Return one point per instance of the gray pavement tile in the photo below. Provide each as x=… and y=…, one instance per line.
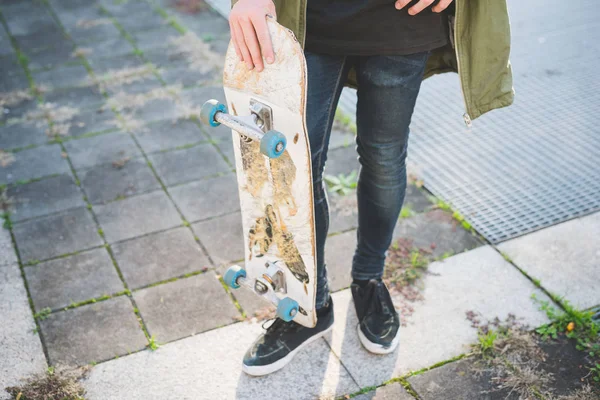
x=157, y=110
x=222, y=237
x=86, y=31
x=92, y=121
x=144, y=20
x=66, y=76
x=108, y=49
x=168, y=135
x=163, y=58
x=136, y=216
x=102, y=66
x=479, y=280
x=252, y=304
x=207, y=22
x=56, y=235
x=92, y=333
x=340, y=138
x=108, y=182
x=339, y=251
x=21, y=353
x=44, y=197
x=343, y=212
x=416, y=199
x=23, y=18
x=187, y=369
x=13, y=75
x=459, y=380
x=148, y=83
x=207, y=198
x=186, y=165
x=226, y=147
x=51, y=57
x=101, y=149
x=564, y=257
x=342, y=160
x=200, y=95
x=185, y=307
x=11, y=113
x=21, y=135
x=7, y=251
x=157, y=38
x=158, y=257
x=64, y=281
x=437, y=228
x=35, y=163
x=128, y=8
x=183, y=74
x=6, y=48
x=41, y=37
x=79, y=98
x=392, y=391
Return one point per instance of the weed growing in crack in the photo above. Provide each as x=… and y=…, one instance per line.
x=43, y=313
x=342, y=184
x=152, y=343
x=53, y=384
x=57, y=118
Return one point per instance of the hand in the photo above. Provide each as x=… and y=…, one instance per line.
x=249, y=32
x=423, y=4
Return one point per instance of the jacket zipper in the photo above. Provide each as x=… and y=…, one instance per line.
x=466, y=116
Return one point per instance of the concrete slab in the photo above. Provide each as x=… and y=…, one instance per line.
x=34, y=163
x=223, y=238
x=101, y=149
x=62, y=77
x=168, y=134
x=80, y=98
x=60, y=282
x=339, y=252
x=7, y=251
x=93, y=333
x=135, y=216
x=185, y=307
x=479, y=280
x=21, y=135
x=564, y=257
x=208, y=366
x=197, y=203
x=393, y=391
x=55, y=235
x=21, y=353
x=179, y=166
x=158, y=257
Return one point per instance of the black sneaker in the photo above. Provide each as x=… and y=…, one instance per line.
x=282, y=340
x=378, y=321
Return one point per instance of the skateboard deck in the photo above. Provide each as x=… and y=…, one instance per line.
x=276, y=194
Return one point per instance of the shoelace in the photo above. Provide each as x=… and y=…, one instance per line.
x=277, y=327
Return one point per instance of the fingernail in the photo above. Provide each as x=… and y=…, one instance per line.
x=249, y=67
x=270, y=60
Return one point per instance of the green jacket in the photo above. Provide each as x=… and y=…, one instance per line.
x=479, y=51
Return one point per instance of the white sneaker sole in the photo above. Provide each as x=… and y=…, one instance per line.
x=377, y=348
x=260, y=370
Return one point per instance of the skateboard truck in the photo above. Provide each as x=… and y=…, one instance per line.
x=256, y=126
x=270, y=282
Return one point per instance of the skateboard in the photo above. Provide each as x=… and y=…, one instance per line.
x=266, y=112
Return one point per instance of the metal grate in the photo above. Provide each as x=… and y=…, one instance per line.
x=536, y=163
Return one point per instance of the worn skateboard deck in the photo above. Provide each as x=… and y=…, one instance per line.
x=276, y=194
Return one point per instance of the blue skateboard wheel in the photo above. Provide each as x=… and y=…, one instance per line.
x=232, y=275
x=273, y=144
x=287, y=309
x=209, y=110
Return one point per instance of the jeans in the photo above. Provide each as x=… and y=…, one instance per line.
x=388, y=89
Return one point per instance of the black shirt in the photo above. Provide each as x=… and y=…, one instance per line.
x=372, y=27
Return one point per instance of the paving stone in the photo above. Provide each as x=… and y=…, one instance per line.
x=107, y=48
x=63, y=281
x=186, y=165
x=392, y=391
x=222, y=237
x=21, y=135
x=163, y=58
x=57, y=234
x=252, y=304
x=108, y=182
x=50, y=57
x=140, y=9
x=92, y=333
x=11, y=113
x=439, y=228
x=479, y=280
x=13, y=75
x=34, y=163
x=343, y=160
x=101, y=149
x=79, y=98
x=199, y=95
x=144, y=86
x=63, y=77
x=416, y=199
x=6, y=48
x=158, y=257
x=183, y=74
x=564, y=257
x=206, y=23
x=159, y=38
x=21, y=353
x=207, y=198
x=168, y=135
x=226, y=147
x=458, y=380
x=341, y=138
x=343, y=212
x=84, y=35
x=44, y=197
x=187, y=369
x=136, y=216
x=339, y=252
x=7, y=251
x=104, y=65
x=185, y=307
x=92, y=121
x=143, y=21
x=157, y=110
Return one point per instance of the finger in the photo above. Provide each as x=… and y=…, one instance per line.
x=420, y=6
x=234, y=41
x=400, y=4
x=252, y=42
x=441, y=6
x=239, y=34
x=264, y=38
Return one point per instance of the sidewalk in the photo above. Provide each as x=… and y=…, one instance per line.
x=122, y=212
